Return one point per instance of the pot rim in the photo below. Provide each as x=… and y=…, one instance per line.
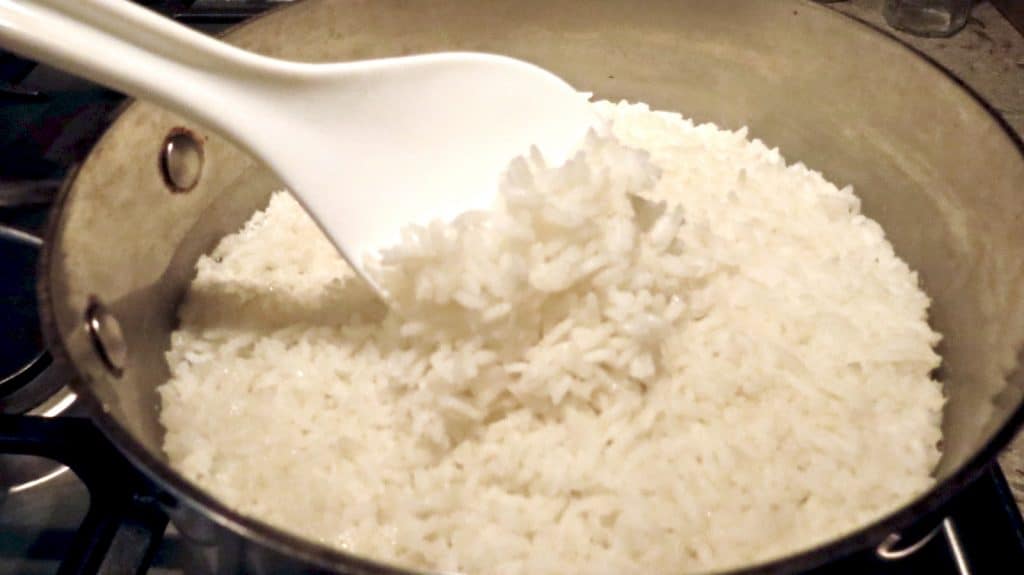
x=925, y=507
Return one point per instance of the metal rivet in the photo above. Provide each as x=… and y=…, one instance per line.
x=181, y=160
x=107, y=337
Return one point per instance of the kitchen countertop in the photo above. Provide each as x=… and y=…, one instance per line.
x=988, y=55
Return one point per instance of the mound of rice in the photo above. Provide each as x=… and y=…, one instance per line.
x=674, y=353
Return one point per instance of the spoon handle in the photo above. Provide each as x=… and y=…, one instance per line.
x=136, y=51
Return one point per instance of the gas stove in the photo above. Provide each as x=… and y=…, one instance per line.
x=48, y=122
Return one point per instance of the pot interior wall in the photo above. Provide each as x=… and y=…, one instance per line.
x=939, y=174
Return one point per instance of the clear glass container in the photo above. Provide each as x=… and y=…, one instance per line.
x=936, y=18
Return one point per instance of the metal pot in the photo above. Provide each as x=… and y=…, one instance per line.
x=929, y=161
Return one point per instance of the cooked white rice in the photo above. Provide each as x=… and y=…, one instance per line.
x=733, y=367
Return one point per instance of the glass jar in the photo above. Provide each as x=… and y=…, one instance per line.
x=936, y=18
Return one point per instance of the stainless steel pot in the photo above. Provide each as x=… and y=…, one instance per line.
x=931, y=164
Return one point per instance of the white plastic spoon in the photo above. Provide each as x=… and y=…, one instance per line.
x=367, y=147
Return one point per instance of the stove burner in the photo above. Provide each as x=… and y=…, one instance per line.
x=29, y=382
x=23, y=356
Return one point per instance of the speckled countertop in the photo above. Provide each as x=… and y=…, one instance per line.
x=988, y=55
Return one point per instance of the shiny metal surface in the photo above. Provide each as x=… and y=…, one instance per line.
x=894, y=548
x=106, y=337
x=959, y=557
x=940, y=174
x=20, y=474
x=181, y=162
